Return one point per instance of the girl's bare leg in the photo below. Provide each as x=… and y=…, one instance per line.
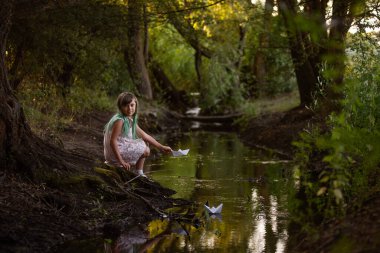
x=140, y=162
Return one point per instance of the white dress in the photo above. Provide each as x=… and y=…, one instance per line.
x=130, y=149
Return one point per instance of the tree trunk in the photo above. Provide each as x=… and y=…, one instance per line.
x=20, y=149
x=336, y=53
x=315, y=11
x=146, y=36
x=198, y=66
x=175, y=99
x=134, y=53
x=259, y=63
x=14, y=132
x=5, y=89
x=66, y=79
x=15, y=78
x=307, y=78
x=185, y=28
x=241, y=46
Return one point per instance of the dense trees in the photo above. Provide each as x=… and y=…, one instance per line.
x=226, y=50
x=67, y=57
x=317, y=43
x=19, y=147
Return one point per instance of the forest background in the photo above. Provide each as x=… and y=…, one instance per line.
x=63, y=59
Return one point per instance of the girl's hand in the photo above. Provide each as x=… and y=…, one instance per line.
x=126, y=165
x=166, y=149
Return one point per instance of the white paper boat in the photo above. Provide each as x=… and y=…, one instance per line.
x=180, y=152
x=214, y=210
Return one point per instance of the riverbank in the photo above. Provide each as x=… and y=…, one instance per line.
x=94, y=201
x=276, y=131
x=358, y=230
x=39, y=216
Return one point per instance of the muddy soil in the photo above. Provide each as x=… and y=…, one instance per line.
x=38, y=217
x=277, y=131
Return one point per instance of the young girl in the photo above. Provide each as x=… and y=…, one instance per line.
x=122, y=148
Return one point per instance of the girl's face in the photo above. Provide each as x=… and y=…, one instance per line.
x=129, y=109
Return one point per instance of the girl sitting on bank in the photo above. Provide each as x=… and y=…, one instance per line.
x=124, y=141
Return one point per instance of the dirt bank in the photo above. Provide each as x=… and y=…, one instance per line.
x=36, y=217
x=277, y=131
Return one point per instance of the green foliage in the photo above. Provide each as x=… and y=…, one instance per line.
x=79, y=36
x=76, y=42
x=72, y=60
x=249, y=111
x=280, y=76
x=340, y=167
x=220, y=88
x=103, y=67
x=45, y=107
x=221, y=91
x=174, y=56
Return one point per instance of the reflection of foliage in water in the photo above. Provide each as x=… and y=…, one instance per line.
x=219, y=169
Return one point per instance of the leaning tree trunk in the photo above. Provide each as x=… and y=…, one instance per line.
x=175, y=99
x=134, y=53
x=306, y=76
x=20, y=150
x=185, y=28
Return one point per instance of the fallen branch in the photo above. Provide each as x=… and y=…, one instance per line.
x=219, y=118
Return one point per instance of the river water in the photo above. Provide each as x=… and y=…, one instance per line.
x=251, y=184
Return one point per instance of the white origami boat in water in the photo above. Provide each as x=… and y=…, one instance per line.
x=214, y=210
x=180, y=152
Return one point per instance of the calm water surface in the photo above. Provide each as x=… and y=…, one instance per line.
x=220, y=169
x=250, y=183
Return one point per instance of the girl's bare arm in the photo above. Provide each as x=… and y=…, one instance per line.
x=146, y=137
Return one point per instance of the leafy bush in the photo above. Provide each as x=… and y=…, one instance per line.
x=346, y=167
x=221, y=91
x=45, y=106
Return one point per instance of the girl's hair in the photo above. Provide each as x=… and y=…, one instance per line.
x=124, y=99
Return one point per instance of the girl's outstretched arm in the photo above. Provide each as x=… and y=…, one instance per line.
x=146, y=137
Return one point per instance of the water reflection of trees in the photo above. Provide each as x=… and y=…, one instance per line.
x=253, y=193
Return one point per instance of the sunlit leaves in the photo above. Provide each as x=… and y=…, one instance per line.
x=174, y=55
x=321, y=191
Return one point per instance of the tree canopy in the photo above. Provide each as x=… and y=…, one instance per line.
x=219, y=54
x=62, y=59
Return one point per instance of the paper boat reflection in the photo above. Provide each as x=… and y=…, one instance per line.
x=214, y=210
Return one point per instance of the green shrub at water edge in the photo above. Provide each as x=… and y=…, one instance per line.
x=340, y=168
